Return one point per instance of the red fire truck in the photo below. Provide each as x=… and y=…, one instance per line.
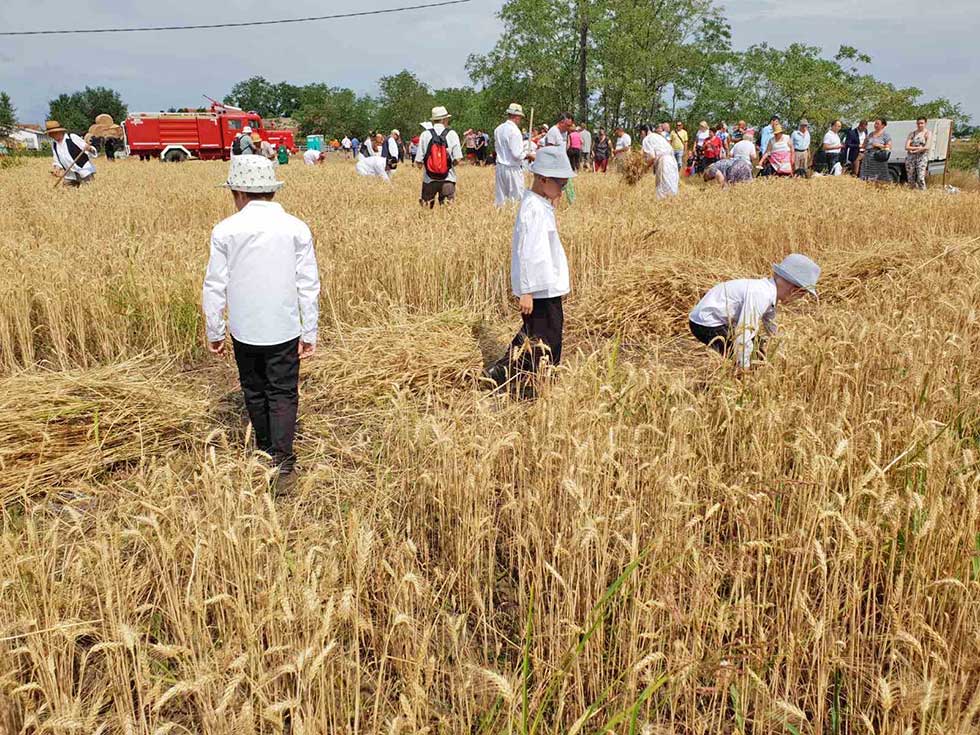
x=177, y=136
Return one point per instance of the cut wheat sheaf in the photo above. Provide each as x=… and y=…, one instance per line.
x=653, y=545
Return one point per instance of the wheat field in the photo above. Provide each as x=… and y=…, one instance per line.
x=655, y=545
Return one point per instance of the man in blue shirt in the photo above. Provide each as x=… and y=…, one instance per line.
x=767, y=134
x=801, y=147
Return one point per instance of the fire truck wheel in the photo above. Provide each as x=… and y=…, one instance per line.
x=175, y=156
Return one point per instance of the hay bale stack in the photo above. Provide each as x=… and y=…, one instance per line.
x=426, y=356
x=60, y=427
x=633, y=167
x=644, y=301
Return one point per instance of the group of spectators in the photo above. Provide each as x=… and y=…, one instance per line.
x=859, y=151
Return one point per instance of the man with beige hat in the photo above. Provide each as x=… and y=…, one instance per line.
x=263, y=270
x=438, y=152
x=72, y=155
x=509, y=146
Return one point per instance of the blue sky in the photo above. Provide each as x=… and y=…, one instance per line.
x=909, y=45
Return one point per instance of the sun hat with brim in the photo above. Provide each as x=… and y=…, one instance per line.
x=252, y=175
x=552, y=161
x=440, y=112
x=53, y=126
x=800, y=271
x=515, y=109
x=804, y=122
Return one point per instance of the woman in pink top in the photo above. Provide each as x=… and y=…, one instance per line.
x=575, y=148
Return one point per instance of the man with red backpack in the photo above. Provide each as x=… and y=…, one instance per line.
x=438, y=151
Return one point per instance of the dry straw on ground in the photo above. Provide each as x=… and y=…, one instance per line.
x=654, y=545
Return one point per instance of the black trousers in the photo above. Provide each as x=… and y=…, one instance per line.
x=832, y=160
x=269, y=375
x=575, y=158
x=540, y=335
x=715, y=337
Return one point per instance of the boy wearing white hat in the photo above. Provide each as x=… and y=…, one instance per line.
x=538, y=270
x=511, y=153
x=439, y=151
x=263, y=270
x=732, y=314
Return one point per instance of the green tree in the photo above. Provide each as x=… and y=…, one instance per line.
x=334, y=111
x=77, y=111
x=255, y=93
x=403, y=102
x=8, y=115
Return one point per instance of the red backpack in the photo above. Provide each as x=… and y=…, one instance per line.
x=436, y=159
x=711, y=147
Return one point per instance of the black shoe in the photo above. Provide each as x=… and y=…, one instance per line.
x=496, y=374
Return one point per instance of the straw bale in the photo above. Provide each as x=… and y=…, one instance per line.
x=633, y=167
x=58, y=427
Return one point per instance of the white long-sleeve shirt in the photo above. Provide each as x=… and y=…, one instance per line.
x=264, y=270
x=744, y=306
x=538, y=265
x=623, y=143
x=655, y=145
x=373, y=166
x=455, y=149
x=509, y=144
x=63, y=157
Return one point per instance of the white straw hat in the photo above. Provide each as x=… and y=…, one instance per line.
x=252, y=175
x=440, y=112
x=800, y=271
x=552, y=161
x=395, y=131
x=247, y=129
x=515, y=109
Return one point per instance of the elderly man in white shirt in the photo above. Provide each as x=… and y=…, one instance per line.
x=659, y=155
x=731, y=316
x=263, y=270
x=538, y=272
x=511, y=154
x=437, y=182
x=72, y=155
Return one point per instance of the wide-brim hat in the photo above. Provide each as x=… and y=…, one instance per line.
x=552, y=161
x=439, y=113
x=53, y=126
x=805, y=122
x=515, y=109
x=252, y=175
x=800, y=271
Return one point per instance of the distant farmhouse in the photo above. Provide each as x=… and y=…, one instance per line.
x=30, y=136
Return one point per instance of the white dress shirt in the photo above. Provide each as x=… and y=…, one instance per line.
x=831, y=142
x=509, y=144
x=63, y=158
x=392, y=148
x=264, y=270
x=373, y=166
x=452, y=141
x=586, y=142
x=655, y=145
x=556, y=137
x=538, y=265
x=623, y=143
x=744, y=306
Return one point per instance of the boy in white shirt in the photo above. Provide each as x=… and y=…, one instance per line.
x=538, y=271
x=732, y=314
x=263, y=270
